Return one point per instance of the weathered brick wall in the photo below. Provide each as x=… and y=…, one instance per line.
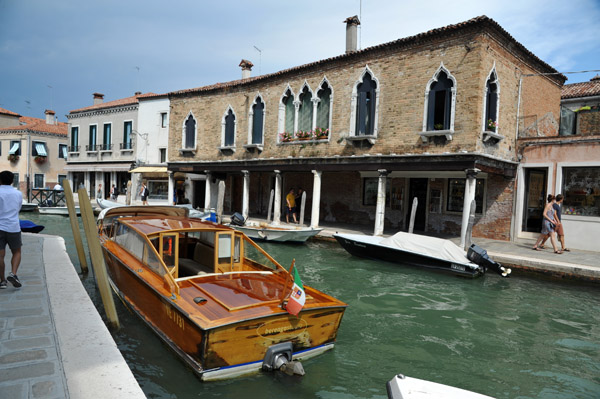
x=496, y=222
x=588, y=121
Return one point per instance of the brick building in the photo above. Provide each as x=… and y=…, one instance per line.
x=431, y=116
x=567, y=162
x=34, y=149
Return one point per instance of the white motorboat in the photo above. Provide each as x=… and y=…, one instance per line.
x=57, y=210
x=105, y=204
x=402, y=387
x=280, y=233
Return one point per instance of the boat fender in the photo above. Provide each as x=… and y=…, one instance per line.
x=279, y=357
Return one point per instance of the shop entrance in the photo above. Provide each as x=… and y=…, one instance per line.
x=535, y=199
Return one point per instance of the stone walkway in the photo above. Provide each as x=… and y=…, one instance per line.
x=53, y=343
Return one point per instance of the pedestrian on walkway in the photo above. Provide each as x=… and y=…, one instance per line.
x=10, y=229
x=144, y=192
x=560, y=232
x=290, y=209
x=549, y=223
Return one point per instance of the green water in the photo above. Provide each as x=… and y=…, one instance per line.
x=508, y=338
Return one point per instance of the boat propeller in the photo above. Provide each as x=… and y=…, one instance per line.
x=279, y=357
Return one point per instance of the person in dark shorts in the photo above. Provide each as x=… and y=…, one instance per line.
x=10, y=229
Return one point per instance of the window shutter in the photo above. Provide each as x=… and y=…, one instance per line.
x=447, y=108
x=289, y=115
x=305, y=114
x=361, y=111
x=371, y=120
x=431, y=110
x=323, y=110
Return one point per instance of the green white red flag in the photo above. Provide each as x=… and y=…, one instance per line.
x=297, y=297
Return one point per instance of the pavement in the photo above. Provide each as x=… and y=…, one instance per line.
x=53, y=342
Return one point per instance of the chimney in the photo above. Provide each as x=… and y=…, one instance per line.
x=98, y=98
x=246, y=68
x=595, y=78
x=50, y=117
x=351, y=28
x=138, y=93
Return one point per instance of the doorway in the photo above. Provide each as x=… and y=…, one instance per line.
x=417, y=188
x=107, y=185
x=536, y=181
x=199, y=187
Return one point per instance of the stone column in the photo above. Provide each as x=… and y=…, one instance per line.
x=315, y=102
x=277, y=204
x=171, y=194
x=245, y=193
x=316, y=199
x=469, y=196
x=296, y=109
x=207, y=191
x=380, y=210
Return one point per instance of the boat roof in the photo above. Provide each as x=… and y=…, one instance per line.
x=121, y=211
x=149, y=225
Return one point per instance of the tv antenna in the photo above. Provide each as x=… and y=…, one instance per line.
x=138, y=78
x=51, y=106
x=259, y=59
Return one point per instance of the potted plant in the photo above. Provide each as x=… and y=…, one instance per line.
x=492, y=125
x=286, y=137
x=438, y=126
x=39, y=159
x=13, y=157
x=303, y=135
x=321, y=133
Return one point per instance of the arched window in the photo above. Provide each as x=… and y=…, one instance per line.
x=305, y=110
x=440, y=98
x=491, y=103
x=324, y=106
x=229, y=127
x=189, y=140
x=289, y=111
x=257, y=115
x=365, y=106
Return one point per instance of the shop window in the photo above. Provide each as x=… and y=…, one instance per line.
x=456, y=195
x=581, y=188
x=370, y=186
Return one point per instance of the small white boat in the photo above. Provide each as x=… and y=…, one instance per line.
x=57, y=210
x=402, y=387
x=105, y=204
x=280, y=233
x=28, y=206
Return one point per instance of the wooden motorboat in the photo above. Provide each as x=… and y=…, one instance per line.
x=28, y=226
x=211, y=293
x=282, y=232
x=402, y=387
x=418, y=250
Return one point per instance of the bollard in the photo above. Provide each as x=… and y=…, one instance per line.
x=75, y=226
x=91, y=233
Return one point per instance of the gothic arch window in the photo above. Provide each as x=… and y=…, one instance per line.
x=287, y=112
x=305, y=109
x=189, y=132
x=492, y=91
x=365, y=105
x=256, y=120
x=325, y=102
x=228, y=128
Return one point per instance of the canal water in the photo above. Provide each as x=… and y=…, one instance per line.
x=509, y=338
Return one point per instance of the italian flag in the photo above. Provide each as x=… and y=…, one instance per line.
x=297, y=297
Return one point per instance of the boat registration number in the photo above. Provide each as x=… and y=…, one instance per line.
x=175, y=317
x=454, y=266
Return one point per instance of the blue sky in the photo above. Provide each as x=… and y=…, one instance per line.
x=55, y=54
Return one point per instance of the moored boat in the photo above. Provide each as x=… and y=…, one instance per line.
x=57, y=210
x=211, y=293
x=418, y=250
x=281, y=233
x=28, y=206
x=28, y=226
x=402, y=387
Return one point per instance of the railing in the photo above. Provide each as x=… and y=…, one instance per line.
x=90, y=148
x=73, y=148
x=126, y=146
x=45, y=197
x=105, y=147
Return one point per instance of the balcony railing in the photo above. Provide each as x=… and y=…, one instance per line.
x=105, y=147
x=73, y=148
x=126, y=146
x=91, y=148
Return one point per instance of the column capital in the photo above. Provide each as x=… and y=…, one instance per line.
x=316, y=172
x=277, y=172
x=382, y=172
x=472, y=172
x=245, y=172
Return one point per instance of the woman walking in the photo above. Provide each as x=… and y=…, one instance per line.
x=549, y=223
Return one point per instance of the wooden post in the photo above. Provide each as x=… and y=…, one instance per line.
x=75, y=226
x=128, y=196
x=91, y=232
x=413, y=212
x=270, y=205
x=302, y=205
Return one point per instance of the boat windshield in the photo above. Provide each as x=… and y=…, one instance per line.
x=133, y=243
x=255, y=255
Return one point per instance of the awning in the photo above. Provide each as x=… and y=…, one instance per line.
x=41, y=149
x=149, y=169
x=74, y=167
x=14, y=148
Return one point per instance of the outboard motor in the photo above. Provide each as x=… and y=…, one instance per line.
x=478, y=255
x=237, y=219
x=279, y=357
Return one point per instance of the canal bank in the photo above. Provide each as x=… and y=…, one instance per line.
x=53, y=342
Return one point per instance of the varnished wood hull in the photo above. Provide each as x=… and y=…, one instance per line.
x=232, y=348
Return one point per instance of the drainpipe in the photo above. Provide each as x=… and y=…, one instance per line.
x=518, y=109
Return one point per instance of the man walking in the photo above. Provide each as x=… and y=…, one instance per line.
x=10, y=229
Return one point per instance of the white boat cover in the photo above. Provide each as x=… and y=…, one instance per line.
x=401, y=387
x=428, y=246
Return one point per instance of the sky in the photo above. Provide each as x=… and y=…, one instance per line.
x=56, y=54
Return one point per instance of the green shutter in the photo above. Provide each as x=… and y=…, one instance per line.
x=289, y=115
x=323, y=110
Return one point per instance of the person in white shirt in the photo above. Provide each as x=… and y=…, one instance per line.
x=10, y=229
x=57, y=187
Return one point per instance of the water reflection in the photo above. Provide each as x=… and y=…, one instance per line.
x=507, y=338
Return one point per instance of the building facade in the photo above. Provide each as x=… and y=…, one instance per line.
x=432, y=117
x=34, y=149
x=567, y=162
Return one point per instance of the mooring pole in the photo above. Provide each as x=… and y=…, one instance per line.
x=413, y=213
x=91, y=233
x=75, y=226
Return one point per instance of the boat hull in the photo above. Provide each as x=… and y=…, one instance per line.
x=57, y=210
x=279, y=234
x=227, y=350
x=369, y=250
